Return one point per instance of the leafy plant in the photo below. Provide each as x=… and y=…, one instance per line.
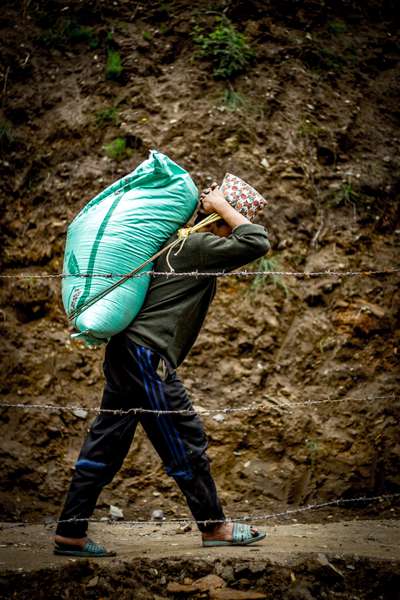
x=147, y=36
x=117, y=149
x=107, y=116
x=225, y=47
x=114, y=66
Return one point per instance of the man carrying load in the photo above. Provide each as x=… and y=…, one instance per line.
x=139, y=368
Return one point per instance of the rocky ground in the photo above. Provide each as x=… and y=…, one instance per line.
x=312, y=123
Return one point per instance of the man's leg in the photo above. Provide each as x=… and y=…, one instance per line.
x=105, y=447
x=179, y=440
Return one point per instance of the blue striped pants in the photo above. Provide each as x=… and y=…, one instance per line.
x=132, y=381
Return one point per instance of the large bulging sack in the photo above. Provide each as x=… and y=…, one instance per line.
x=116, y=232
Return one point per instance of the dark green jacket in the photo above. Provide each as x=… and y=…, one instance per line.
x=176, y=306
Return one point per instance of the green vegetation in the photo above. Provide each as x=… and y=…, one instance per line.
x=320, y=58
x=268, y=265
x=66, y=31
x=114, y=66
x=226, y=48
x=77, y=33
x=6, y=134
x=310, y=130
x=313, y=448
x=107, y=116
x=337, y=27
x=346, y=195
x=234, y=100
x=117, y=149
x=147, y=36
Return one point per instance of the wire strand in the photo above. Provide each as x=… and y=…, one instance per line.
x=305, y=274
x=248, y=517
x=203, y=412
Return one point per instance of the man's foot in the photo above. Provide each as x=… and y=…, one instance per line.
x=82, y=547
x=232, y=534
x=221, y=532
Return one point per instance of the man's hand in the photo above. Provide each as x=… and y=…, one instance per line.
x=212, y=199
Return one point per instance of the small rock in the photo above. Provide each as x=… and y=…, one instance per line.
x=231, y=594
x=184, y=528
x=80, y=413
x=179, y=588
x=264, y=163
x=323, y=560
x=219, y=418
x=116, y=513
x=209, y=583
x=157, y=515
x=93, y=582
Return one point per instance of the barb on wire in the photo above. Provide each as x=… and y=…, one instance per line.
x=248, y=517
x=287, y=405
x=299, y=274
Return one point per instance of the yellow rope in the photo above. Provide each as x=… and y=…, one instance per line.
x=184, y=233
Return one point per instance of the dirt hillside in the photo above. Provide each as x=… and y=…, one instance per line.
x=312, y=123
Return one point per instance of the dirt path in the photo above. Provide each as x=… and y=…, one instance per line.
x=295, y=553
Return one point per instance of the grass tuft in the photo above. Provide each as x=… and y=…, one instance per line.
x=114, y=66
x=117, y=149
x=107, y=116
x=268, y=265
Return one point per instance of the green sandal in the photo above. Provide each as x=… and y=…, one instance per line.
x=241, y=536
x=89, y=550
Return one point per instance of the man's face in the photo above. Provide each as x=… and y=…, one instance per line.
x=219, y=229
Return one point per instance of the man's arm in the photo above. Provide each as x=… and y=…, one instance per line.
x=246, y=242
x=214, y=201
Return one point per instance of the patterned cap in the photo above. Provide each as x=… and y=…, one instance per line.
x=242, y=196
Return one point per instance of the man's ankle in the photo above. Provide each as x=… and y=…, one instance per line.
x=72, y=541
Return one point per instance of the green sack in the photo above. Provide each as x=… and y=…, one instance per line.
x=116, y=232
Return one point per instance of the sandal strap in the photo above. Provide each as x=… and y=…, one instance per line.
x=241, y=532
x=93, y=547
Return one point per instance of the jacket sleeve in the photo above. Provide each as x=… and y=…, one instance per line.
x=213, y=253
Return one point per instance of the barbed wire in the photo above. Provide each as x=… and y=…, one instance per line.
x=305, y=274
x=192, y=411
x=185, y=520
